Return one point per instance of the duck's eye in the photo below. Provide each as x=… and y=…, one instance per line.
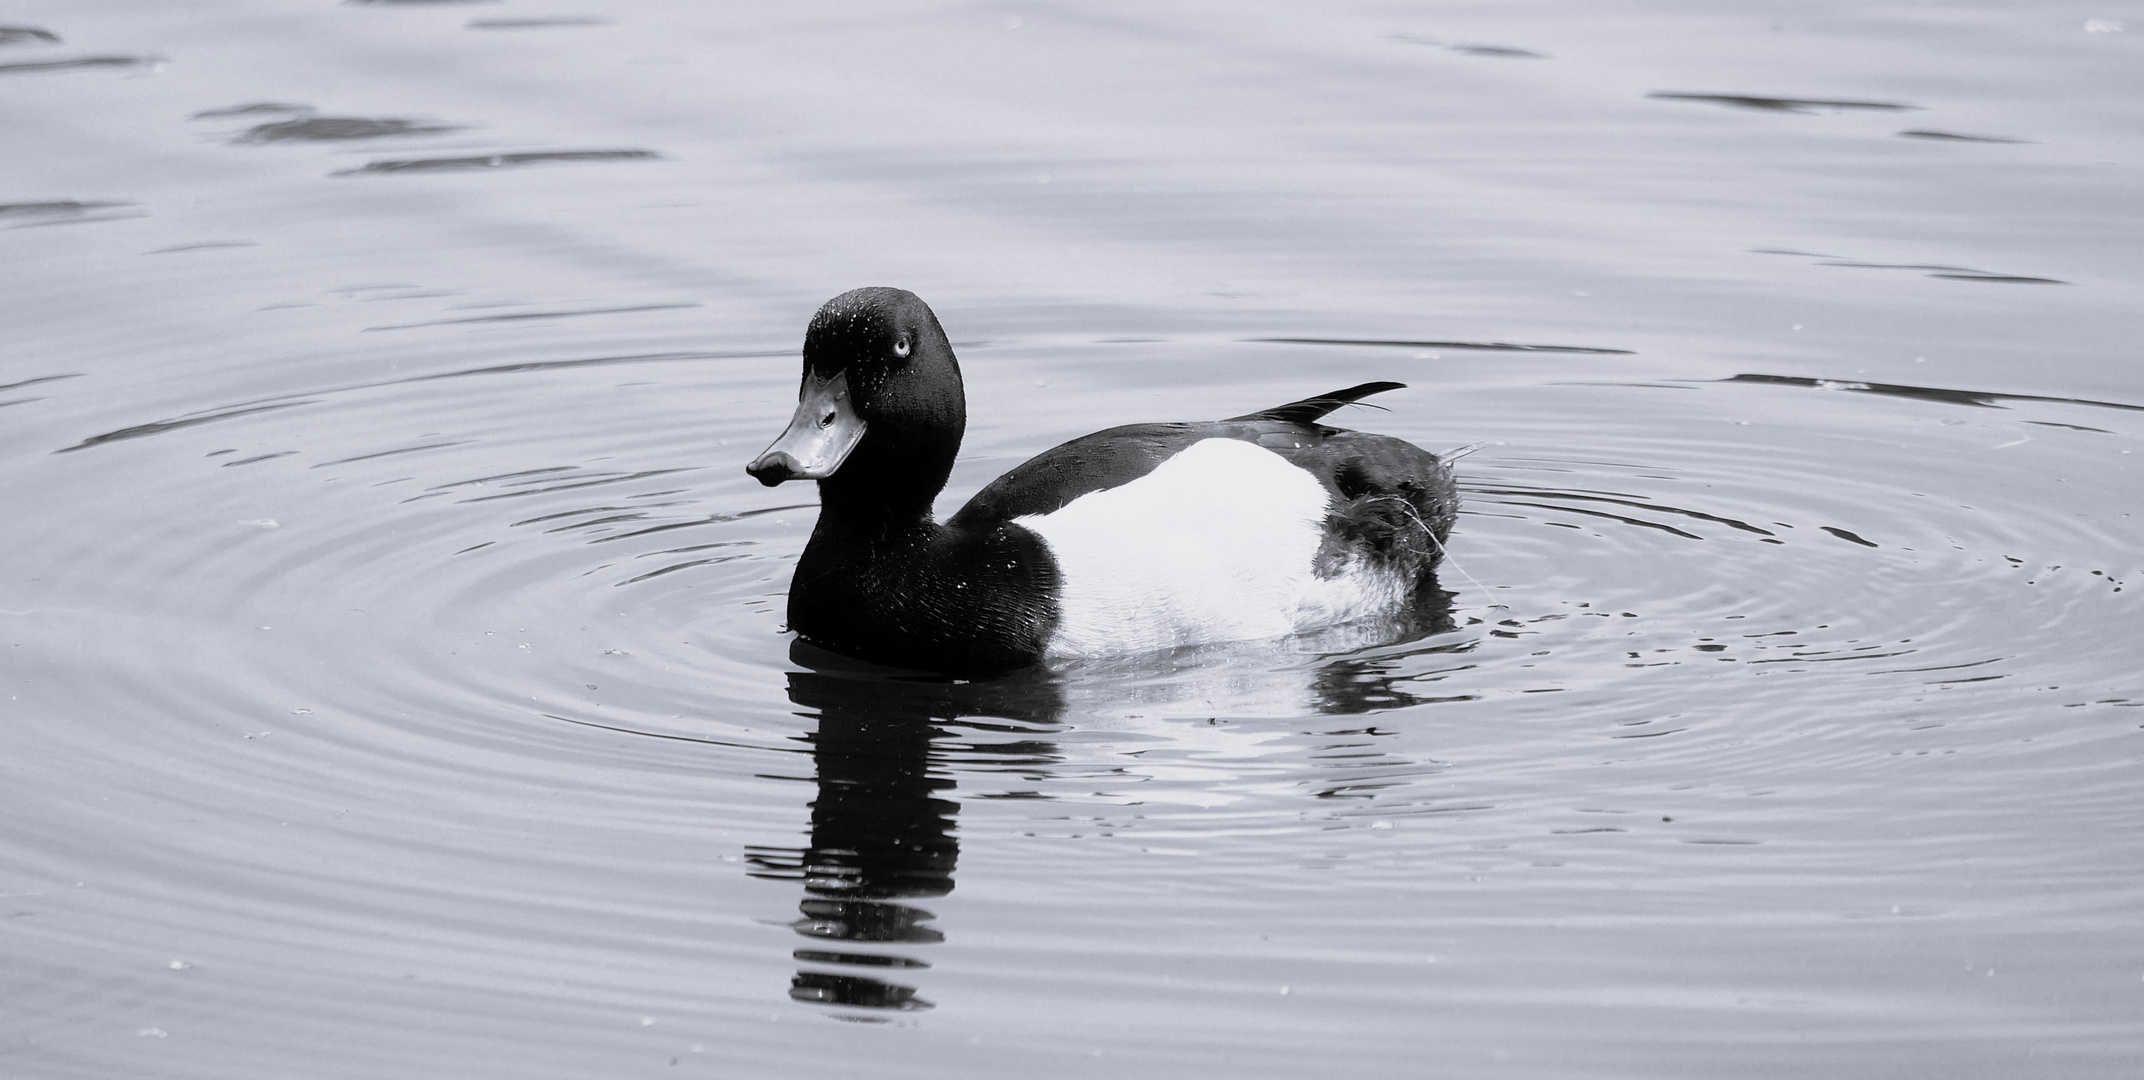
x=900, y=346
x=827, y=420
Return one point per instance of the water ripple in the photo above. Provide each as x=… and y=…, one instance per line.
x=498, y=161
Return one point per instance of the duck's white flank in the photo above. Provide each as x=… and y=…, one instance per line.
x=1219, y=543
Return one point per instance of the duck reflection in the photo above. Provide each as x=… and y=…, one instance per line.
x=1367, y=666
x=1351, y=685
x=881, y=832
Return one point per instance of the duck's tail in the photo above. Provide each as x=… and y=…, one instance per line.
x=1310, y=409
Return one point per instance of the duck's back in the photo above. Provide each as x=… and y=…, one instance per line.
x=1349, y=463
x=1170, y=534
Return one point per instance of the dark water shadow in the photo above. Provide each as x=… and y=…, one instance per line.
x=524, y=316
x=312, y=397
x=1504, y=52
x=2008, y=279
x=65, y=213
x=499, y=161
x=1979, y=398
x=1953, y=273
x=158, y=427
x=1953, y=136
x=537, y=23
x=339, y=129
x=1762, y=103
x=1562, y=501
x=1934, y=270
x=61, y=207
x=205, y=245
x=21, y=35
x=76, y=63
x=254, y=108
x=39, y=379
x=1501, y=52
x=1482, y=346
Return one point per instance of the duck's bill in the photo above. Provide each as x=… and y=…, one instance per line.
x=819, y=437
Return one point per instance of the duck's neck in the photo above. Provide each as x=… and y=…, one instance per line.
x=881, y=495
x=854, y=515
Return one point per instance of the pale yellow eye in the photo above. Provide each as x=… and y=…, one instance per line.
x=900, y=346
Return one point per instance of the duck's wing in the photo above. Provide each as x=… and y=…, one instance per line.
x=1120, y=455
x=1106, y=459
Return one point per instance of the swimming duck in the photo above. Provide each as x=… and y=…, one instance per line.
x=1141, y=537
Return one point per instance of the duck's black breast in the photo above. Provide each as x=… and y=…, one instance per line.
x=975, y=600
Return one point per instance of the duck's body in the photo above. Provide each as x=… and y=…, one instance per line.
x=1139, y=537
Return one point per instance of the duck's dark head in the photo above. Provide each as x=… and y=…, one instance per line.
x=881, y=409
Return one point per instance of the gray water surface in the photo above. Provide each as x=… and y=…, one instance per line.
x=392, y=649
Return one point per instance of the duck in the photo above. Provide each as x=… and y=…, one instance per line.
x=1139, y=538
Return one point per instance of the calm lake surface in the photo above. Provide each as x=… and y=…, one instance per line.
x=392, y=671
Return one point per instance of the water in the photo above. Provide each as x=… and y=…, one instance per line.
x=394, y=673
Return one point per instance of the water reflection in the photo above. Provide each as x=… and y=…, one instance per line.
x=880, y=832
x=887, y=745
x=1355, y=686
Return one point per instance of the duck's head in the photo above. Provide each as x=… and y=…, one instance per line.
x=881, y=405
